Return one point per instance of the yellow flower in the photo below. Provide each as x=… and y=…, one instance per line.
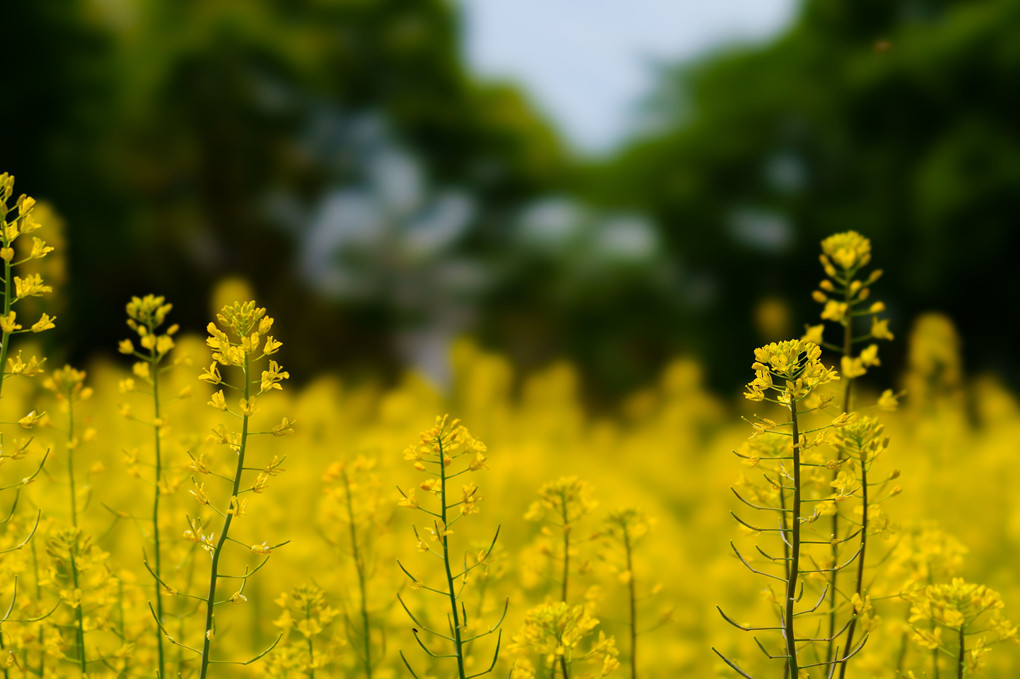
x=30, y=420
x=880, y=329
x=218, y=401
x=888, y=400
x=45, y=322
x=211, y=374
x=39, y=248
x=8, y=324
x=198, y=492
x=248, y=406
x=285, y=428
x=869, y=356
x=272, y=346
x=407, y=500
x=30, y=286
x=796, y=363
x=849, y=250
x=813, y=333
x=834, y=311
x=272, y=377
x=852, y=368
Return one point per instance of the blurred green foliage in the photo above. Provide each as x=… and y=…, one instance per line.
x=893, y=118
x=338, y=154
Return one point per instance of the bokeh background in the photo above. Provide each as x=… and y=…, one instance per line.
x=618, y=185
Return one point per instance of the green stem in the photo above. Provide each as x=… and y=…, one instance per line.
x=848, y=329
x=80, y=632
x=74, y=523
x=566, y=554
x=218, y=549
x=359, y=566
x=458, y=647
x=6, y=340
x=70, y=457
x=563, y=667
x=3, y=647
x=962, y=659
x=154, y=364
x=38, y=596
x=311, y=645
x=791, y=581
x=860, y=560
x=633, y=604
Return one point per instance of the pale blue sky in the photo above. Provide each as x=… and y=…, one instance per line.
x=586, y=63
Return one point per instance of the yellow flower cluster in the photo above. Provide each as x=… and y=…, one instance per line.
x=849, y=251
x=559, y=634
x=564, y=500
x=943, y=616
x=795, y=363
x=17, y=221
x=145, y=316
x=845, y=297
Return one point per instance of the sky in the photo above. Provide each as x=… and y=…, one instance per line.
x=586, y=64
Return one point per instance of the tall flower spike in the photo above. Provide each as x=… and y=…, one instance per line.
x=15, y=222
x=444, y=452
x=846, y=295
x=563, y=503
x=788, y=374
x=146, y=316
x=237, y=348
x=624, y=528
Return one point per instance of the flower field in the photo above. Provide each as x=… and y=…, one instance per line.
x=176, y=508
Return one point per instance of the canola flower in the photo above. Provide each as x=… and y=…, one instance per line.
x=787, y=373
x=355, y=508
x=559, y=633
x=563, y=502
x=961, y=610
x=446, y=452
x=146, y=315
x=239, y=347
x=306, y=614
x=846, y=296
x=15, y=223
x=334, y=613
x=68, y=386
x=624, y=528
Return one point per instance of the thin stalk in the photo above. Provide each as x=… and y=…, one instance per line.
x=70, y=458
x=791, y=581
x=848, y=343
x=218, y=549
x=3, y=647
x=155, y=508
x=860, y=558
x=633, y=604
x=961, y=660
x=566, y=554
x=38, y=596
x=79, y=617
x=121, y=626
x=359, y=567
x=933, y=625
x=6, y=340
x=563, y=667
x=311, y=645
x=458, y=649
x=786, y=551
x=80, y=631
